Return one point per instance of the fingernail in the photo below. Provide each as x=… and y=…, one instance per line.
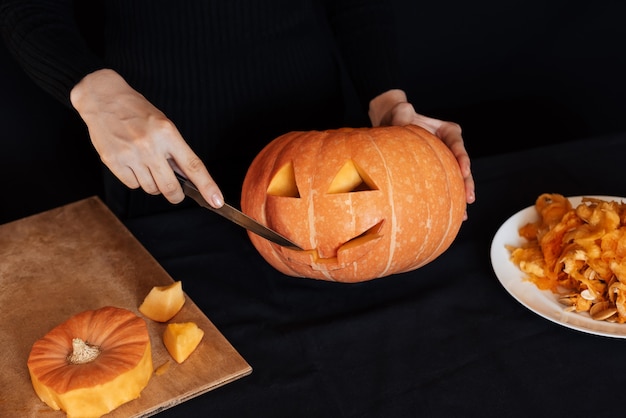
x=217, y=201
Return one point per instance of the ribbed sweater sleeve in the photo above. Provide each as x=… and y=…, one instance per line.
x=44, y=38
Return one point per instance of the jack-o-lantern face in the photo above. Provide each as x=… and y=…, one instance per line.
x=363, y=203
x=349, y=188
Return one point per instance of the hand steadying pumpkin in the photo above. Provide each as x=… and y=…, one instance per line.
x=393, y=108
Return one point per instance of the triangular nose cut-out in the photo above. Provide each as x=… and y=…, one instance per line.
x=351, y=178
x=284, y=182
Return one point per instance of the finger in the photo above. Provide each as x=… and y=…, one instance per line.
x=167, y=183
x=464, y=163
x=470, y=191
x=194, y=169
x=146, y=180
x=450, y=134
x=126, y=175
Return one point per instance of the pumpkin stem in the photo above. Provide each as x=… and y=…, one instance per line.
x=82, y=352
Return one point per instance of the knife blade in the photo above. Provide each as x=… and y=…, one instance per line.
x=235, y=215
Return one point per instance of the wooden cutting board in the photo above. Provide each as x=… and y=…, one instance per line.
x=81, y=257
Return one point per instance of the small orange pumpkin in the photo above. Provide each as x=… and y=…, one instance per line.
x=363, y=203
x=93, y=362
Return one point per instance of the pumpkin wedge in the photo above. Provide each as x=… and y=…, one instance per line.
x=162, y=303
x=92, y=363
x=181, y=339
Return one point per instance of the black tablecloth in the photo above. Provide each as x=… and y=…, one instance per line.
x=444, y=340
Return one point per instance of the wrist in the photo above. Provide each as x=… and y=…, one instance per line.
x=95, y=83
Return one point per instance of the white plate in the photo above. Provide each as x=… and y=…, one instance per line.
x=542, y=302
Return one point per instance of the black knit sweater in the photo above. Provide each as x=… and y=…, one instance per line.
x=231, y=74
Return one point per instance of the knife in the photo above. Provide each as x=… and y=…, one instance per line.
x=235, y=215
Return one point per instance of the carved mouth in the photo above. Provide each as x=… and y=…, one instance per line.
x=346, y=254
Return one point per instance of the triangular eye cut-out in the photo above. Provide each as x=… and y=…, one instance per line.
x=284, y=182
x=351, y=178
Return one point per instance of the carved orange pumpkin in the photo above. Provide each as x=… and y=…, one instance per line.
x=363, y=203
x=93, y=362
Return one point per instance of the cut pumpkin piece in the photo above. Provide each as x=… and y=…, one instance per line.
x=181, y=339
x=92, y=363
x=163, y=302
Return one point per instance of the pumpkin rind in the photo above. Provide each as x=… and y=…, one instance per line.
x=413, y=205
x=116, y=376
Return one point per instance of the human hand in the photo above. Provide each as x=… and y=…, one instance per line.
x=393, y=108
x=136, y=141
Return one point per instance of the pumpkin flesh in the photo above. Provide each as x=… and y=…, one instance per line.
x=181, y=339
x=162, y=303
x=118, y=374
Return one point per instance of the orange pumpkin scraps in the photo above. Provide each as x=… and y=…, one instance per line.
x=578, y=253
x=364, y=203
x=92, y=363
x=163, y=368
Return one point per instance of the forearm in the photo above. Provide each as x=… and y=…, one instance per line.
x=43, y=37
